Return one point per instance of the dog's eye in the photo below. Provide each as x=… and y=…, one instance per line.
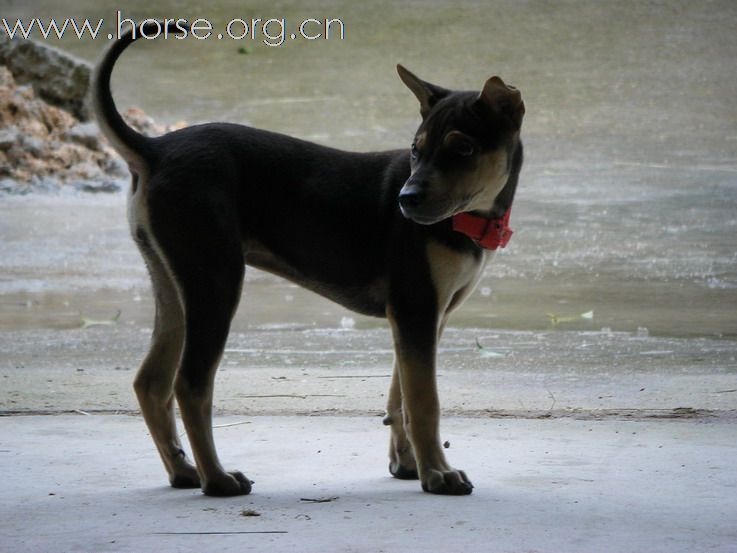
x=464, y=149
x=413, y=151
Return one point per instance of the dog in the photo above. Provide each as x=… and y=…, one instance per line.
x=401, y=234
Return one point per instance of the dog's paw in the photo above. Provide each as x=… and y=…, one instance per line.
x=182, y=481
x=182, y=473
x=227, y=484
x=446, y=482
x=402, y=463
x=402, y=472
x=185, y=474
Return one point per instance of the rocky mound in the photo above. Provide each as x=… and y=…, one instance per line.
x=46, y=138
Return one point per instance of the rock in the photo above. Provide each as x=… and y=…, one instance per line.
x=117, y=167
x=43, y=184
x=9, y=185
x=43, y=147
x=33, y=145
x=45, y=141
x=57, y=77
x=85, y=134
x=5, y=170
x=144, y=124
x=104, y=185
x=9, y=137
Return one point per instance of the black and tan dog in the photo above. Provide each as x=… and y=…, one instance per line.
x=399, y=234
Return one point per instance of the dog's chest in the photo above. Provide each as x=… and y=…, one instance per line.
x=454, y=274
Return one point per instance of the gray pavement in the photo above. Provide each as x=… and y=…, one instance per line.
x=575, y=441
x=94, y=483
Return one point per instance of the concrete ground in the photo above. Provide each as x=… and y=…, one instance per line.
x=93, y=483
x=576, y=442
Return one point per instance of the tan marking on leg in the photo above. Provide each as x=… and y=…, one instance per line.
x=196, y=410
x=154, y=381
x=402, y=462
x=421, y=409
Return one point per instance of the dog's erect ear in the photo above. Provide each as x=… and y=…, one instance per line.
x=428, y=94
x=503, y=98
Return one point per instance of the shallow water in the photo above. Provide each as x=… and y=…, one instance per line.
x=627, y=205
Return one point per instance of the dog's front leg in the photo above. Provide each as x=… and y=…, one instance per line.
x=402, y=462
x=415, y=344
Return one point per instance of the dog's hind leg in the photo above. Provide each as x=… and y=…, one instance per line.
x=210, y=301
x=205, y=255
x=154, y=383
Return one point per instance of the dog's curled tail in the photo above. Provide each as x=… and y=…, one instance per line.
x=132, y=145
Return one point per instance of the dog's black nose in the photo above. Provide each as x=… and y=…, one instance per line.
x=411, y=196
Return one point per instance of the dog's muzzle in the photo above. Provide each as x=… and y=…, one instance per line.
x=417, y=205
x=411, y=197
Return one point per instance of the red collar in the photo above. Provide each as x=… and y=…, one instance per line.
x=489, y=234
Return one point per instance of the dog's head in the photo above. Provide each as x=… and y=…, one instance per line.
x=462, y=152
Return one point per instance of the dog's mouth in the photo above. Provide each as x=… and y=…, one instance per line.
x=426, y=216
x=421, y=219
x=429, y=215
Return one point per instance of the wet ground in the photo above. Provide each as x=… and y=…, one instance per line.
x=615, y=300
x=77, y=315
